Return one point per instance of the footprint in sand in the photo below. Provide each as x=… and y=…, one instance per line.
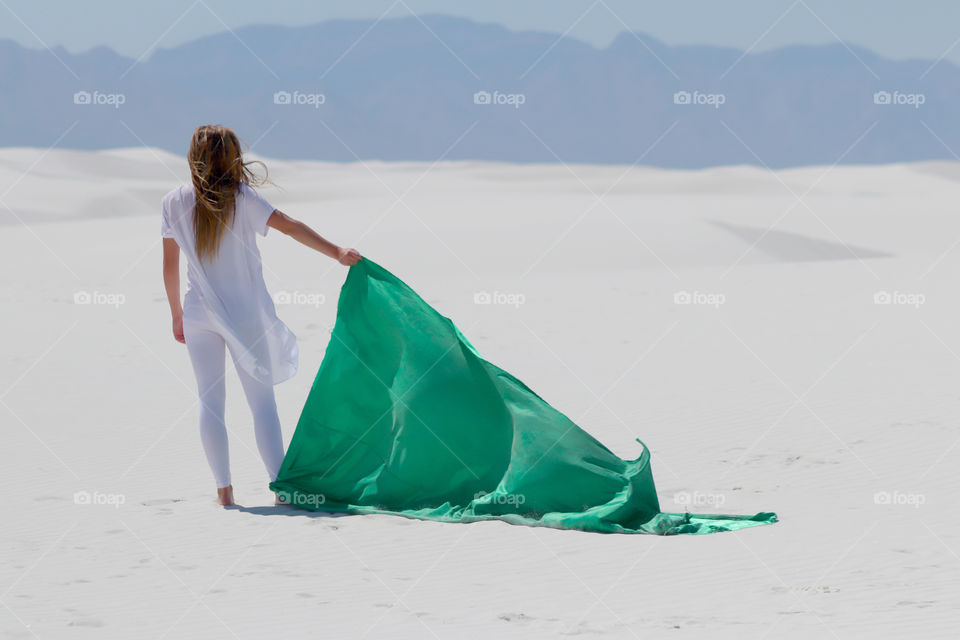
x=515, y=617
x=89, y=622
x=923, y=604
x=161, y=501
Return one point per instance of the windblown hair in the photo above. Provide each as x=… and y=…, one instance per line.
x=217, y=170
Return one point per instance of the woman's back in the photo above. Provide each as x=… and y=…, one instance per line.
x=226, y=289
x=236, y=266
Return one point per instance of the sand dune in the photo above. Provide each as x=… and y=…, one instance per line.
x=784, y=246
x=813, y=372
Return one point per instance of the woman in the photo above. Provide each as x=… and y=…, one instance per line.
x=227, y=306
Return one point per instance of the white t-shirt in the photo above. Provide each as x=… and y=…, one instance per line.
x=228, y=290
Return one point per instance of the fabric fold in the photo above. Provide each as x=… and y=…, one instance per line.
x=406, y=418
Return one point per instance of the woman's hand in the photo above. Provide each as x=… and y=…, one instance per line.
x=178, y=328
x=348, y=257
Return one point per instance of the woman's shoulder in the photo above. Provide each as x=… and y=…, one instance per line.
x=179, y=194
x=246, y=190
x=251, y=197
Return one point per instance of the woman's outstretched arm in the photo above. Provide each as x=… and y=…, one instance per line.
x=307, y=236
x=171, y=282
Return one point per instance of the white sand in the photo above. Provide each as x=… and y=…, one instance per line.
x=798, y=395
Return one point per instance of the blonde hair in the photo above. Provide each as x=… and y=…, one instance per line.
x=217, y=170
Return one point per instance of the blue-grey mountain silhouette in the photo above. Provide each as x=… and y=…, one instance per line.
x=404, y=91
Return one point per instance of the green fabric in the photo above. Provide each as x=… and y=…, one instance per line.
x=406, y=418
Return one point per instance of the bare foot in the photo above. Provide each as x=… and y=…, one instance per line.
x=225, y=496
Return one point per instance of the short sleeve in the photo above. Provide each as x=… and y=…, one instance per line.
x=257, y=210
x=165, y=230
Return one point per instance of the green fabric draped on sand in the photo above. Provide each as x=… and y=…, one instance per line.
x=406, y=418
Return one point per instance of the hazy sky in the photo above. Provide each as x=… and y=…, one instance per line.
x=896, y=29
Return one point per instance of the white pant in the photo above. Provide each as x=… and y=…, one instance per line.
x=207, y=353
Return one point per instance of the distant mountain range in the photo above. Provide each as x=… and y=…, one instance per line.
x=442, y=87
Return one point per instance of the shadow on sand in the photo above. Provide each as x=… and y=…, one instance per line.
x=787, y=246
x=286, y=510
